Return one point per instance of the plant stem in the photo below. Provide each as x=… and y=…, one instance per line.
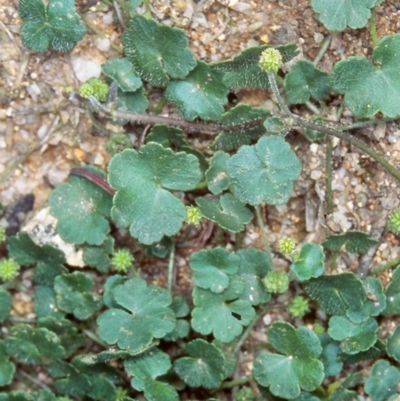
x=372, y=29
x=32, y=379
x=313, y=108
x=275, y=90
x=94, y=338
x=322, y=50
x=260, y=223
x=328, y=172
x=171, y=264
x=385, y=266
x=246, y=333
x=351, y=139
x=123, y=6
x=367, y=123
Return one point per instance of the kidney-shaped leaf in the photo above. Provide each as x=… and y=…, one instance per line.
x=309, y=262
x=81, y=208
x=355, y=242
x=123, y=73
x=7, y=368
x=146, y=315
x=337, y=15
x=74, y=296
x=223, y=315
x=337, y=293
x=228, y=212
x=264, y=172
x=383, y=381
x=297, y=369
x=202, y=93
x=33, y=346
x=213, y=267
x=142, y=181
x=57, y=26
x=216, y=175
x=205, y=365
x=368, y=88
x=157, y=51
x=353, y=337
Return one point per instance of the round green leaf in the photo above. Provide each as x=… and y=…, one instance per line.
x=383, y=381
x=157, y=51
x=337, y=15
x=81, y=208
x=223, y=315
x=182, y=326
x=298, y=369
x=57, y=26
x=353, y=337
x=393, y=345
x=46, y=303
x=371, y=88
x=309, y=262
x=142, y=181
x=146, y=313
x=73, y=296
x=205, y=365
x=212, y=268
x=202, y=93
x=264, y=172
x=123, y=73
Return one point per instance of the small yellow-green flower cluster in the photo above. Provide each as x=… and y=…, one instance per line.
x=287, y=245
x=298, y=306
x=94, y=87
x=9, y=269
x=394, y=222
x=193, y=215
x=276, y=281
x=271, y=60
x=122, y=260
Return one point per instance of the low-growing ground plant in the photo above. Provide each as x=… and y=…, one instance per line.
x=106, y=333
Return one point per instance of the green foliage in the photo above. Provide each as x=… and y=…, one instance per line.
x=270, y=166
x=91, y=205
x=158, y=52
x=213, y=268
x=201, y=94
x=33, y=346
x=383, y=381
x=309, y=262
x=394, y=221
x=353, y=337
x=205, y=365
x=202, y=294
x=146, y=313
x=336, y=16
x=354, y=241
x=228, y=212
x=223, y=314
x=371, y=88
x=73, y=295
x=123, y=74
x=142, y=181
x=56, y=26
x=337, y=293
x=305, y=81
x=297, y=369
